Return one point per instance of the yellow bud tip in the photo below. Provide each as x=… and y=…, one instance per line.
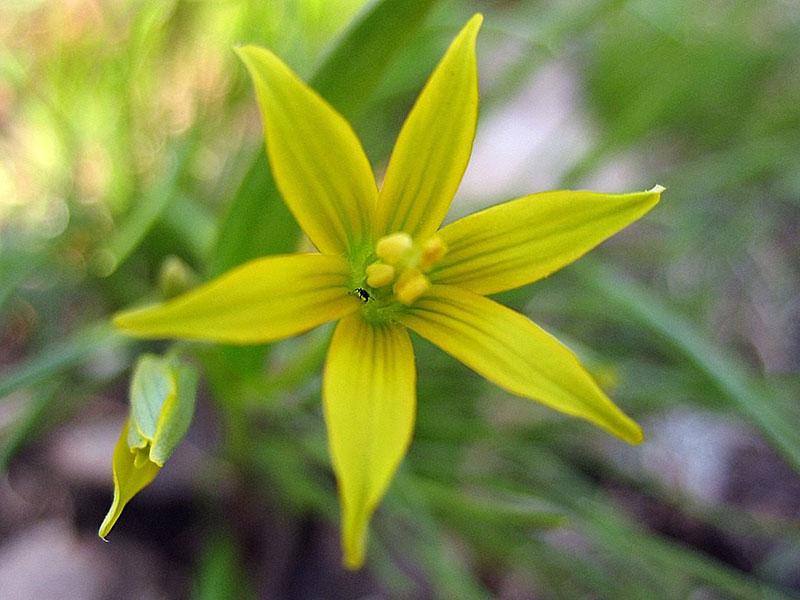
x=432, y=251
x=411, y=285
x=657, y=189
x=380, y=274
x=394, y=247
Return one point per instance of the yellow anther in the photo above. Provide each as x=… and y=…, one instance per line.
x=432, y=251
x=394, y=248
x=380, y=274
x=410, y=286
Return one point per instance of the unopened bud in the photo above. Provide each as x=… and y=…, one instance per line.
x=175, y=277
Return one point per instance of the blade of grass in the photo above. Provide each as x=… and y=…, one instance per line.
x=724, y=372
x=27, y=424
x=146, y=212
x=61, y=356
x=220, y=574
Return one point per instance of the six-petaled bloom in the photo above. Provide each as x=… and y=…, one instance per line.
x=384, y=265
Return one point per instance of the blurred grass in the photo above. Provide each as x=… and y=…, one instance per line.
x=128, y=133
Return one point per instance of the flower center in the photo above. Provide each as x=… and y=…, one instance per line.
x=399, y=273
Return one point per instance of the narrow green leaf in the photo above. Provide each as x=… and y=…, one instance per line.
x=146, y=212
x=61, y=356
x=724, y=372
x=257, y=222
x=361, y=56
x=27, y=424
x=14, y=269
x=455, y=505
x=220, y=574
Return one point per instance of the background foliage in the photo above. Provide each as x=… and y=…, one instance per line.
x=129, y=134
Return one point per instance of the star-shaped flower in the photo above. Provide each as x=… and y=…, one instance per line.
x=385, y=265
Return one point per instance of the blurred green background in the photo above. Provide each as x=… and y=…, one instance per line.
x=129, y=134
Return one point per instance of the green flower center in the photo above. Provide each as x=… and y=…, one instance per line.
x=398, y=275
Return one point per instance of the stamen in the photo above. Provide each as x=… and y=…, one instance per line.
x=410, y=286
x=380, y=274
x=394, y=248
x=402, y=263
x=432, y=251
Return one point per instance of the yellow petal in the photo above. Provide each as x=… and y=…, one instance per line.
x=434, y=145
x=518, y=242
x=369, y=399
x=129, y=479
x=317, y=160
x=516, y=354
x=261, y=301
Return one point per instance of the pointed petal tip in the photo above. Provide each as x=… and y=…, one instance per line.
x=475, y=21
x=353, y=561
x=354, y=540
x=107, y=525
x=657, y=189
x=472, y=27
x=119, y=320
x=633, y=434
x=126, y=321
x=250, y=53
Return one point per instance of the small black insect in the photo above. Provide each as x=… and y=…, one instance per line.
x=362, y=294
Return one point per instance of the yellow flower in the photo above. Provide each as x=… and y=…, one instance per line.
x=384, y=265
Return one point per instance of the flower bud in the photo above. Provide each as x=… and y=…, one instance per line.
x=162, y=397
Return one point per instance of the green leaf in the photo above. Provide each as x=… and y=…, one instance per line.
x=257, y=223
x=60, y=356
x=33, y=418
x=500, y=511
x=360, y=58
x=146, y=212
x=220, y=574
